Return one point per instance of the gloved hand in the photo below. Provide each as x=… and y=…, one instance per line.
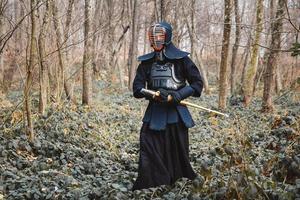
x=176, y=97
x=149, y=97
x=163, y=95
x=146, y=95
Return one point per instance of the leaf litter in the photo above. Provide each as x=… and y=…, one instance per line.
x=92, y=152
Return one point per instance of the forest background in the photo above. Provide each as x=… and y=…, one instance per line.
x=56, y=54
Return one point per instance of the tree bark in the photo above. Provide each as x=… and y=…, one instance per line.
x=278, y=79
x=96, y=23
x=68, y=83
x=132, y=47
x=195, y=55
x=87, y=59
x=251, y=71
x=1, y=56
x=261, y=68
x=14, y=53
x=116, y=49
x=224, y=55
x=235, y=47
x=59, y=70
x=62, y=82
x=203, y=73
x=246, y=57
x=258, y=75
x=276, y=29
x=43, y=65
x=193, y=3
x=162, y=10
x=30, y=66
x=111, y=40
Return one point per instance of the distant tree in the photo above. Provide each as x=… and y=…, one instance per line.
x=62, y=82
x=30, y=66
x=276, y=29
x=252, y=68
x=224, y=55
x=96, y=22
x=43, y=65
x=162, y=10
x=132, y=45
x=194, y=54
x=67, y=82
x=111, y=39
x=246, y=55
x=2, y=5
x=14, y=52
x=235, y=46
x=87, y=57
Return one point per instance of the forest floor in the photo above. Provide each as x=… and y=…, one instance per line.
x=92, y=152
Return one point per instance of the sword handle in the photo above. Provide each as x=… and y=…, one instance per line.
x=156, y=94
x=153, y=93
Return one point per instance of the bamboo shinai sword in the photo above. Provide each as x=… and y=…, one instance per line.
x=156, y=93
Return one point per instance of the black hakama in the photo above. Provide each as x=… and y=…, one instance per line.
x=163, y=156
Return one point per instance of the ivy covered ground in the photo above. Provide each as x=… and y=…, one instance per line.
x=92, y=152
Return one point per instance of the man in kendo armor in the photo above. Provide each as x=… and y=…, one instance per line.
x=164, y=142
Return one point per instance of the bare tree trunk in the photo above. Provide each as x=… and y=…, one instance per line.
x=9, y=73
x=61, y=73
x=156, y=11
x=246, y=57
x=16, y=44
x=68, y=83
x=1, y=56
x=191, y=31
x=111, y=40
x=276, y=29
x=145, y=37
x=235, y=47
x=121, y=66
x=43, y=70
x=87, y=59
x=132, y=47
x=96, y=23
x=116, y=49
x=162, y=10
x=278, y=79
x=251, y=71
x=224, y=56
x=258, y=76
x=32, y=62
x=175, y=39
x=261, y=68
x=294, y=67
x=193, y=3
x=203, y=73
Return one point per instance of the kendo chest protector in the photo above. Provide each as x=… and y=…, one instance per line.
x=163, y=76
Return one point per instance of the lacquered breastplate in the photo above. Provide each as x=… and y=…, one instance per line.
x=163, y=76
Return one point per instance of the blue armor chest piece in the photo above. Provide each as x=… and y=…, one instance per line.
x=163, y=76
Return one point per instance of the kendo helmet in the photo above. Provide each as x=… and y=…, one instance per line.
x=160, y=35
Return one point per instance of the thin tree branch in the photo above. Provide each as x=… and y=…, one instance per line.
x=9, y=35
x=289, y=18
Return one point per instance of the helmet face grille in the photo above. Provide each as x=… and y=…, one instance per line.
x=157, y=37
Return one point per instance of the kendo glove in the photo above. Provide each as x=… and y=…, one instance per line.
x=146, y=95
x=176, y=97
x=149, y=97
x=163, y=95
